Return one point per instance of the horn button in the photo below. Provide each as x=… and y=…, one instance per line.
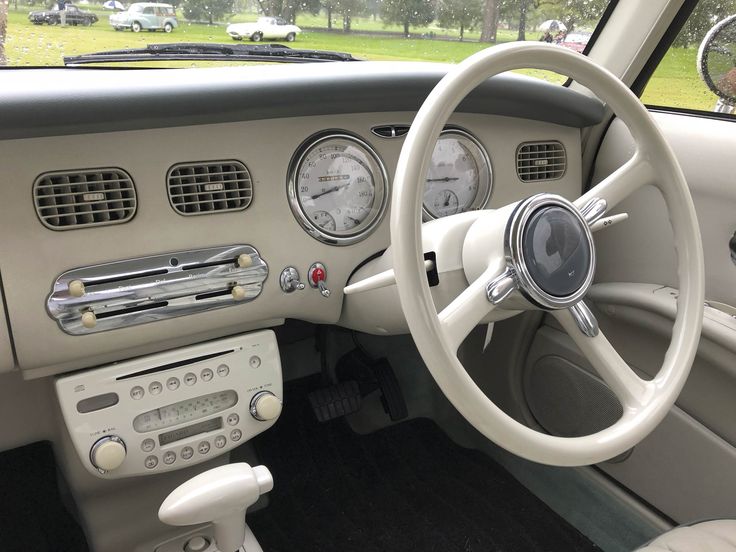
x=556, y=250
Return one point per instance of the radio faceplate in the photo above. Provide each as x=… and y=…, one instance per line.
x=171, y=410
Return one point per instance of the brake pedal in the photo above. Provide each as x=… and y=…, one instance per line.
x=335, y=401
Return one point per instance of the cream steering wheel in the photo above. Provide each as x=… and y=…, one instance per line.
x=539, y=254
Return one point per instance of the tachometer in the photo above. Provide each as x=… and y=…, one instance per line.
x=337, y=188
x=459, y=178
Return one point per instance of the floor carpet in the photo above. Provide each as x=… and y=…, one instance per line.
x=404, y=488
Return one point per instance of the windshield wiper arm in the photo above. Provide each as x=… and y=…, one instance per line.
x=209, y=52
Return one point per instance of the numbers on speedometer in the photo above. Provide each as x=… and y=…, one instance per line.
x=459, y=177
x=337, y=188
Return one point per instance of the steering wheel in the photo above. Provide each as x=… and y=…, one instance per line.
x=539, y=254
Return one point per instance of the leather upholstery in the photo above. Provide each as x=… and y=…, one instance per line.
x=709, y=536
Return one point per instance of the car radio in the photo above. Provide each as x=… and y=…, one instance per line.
x=170, y=410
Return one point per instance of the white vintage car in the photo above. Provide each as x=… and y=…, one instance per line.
x=265, y=27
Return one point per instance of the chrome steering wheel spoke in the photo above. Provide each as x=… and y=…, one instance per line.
x=584, y=319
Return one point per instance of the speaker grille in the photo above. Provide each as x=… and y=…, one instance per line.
x=537, y=161
x=567, y=401
x=210, y=187
x=66, y=200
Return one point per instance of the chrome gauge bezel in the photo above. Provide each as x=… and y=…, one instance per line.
x=484, y=195
x=380, y=180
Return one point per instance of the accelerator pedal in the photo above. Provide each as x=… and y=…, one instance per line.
x=335, y=401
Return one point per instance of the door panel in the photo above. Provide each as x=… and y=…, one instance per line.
x=687, y=467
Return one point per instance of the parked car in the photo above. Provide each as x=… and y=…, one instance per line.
x=576, y=41
x=74, y=16
x=150, y=16
x=265, y=27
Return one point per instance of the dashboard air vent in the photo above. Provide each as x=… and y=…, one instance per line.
x=537, y=161
x=66, y=200
x=209, y=187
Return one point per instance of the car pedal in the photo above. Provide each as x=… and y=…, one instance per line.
x=393, y=398
x=335, y=401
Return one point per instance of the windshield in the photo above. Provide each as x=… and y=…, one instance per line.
x=41, y=33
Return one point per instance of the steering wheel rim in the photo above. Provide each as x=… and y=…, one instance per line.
x=645, y=403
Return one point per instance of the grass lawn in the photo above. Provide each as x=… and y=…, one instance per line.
x=676, y=82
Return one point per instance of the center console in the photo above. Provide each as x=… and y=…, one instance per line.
x=169, y=410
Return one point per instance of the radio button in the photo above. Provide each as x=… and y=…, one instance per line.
x=150, y=462
x=172, y=384
x=206, y=374
x=233, y=419
x=187, y=453
x=137, y=393
x=148, y=445
x=220, y=441
x=190, y=379
x=155, y=388
x=254, y=361
x=169, y=457
x=223, y=370
x=203, y=447
x=236, y=434
x=108, y=453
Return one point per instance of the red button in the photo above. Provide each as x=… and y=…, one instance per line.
x=318, y=275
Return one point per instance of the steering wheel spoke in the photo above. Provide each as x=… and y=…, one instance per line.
x=616, y=187
x=631, y=390
x=468, y=309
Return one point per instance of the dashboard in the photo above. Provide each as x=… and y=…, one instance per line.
x=302, y=189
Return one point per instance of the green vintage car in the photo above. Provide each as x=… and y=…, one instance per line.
x=151, y=16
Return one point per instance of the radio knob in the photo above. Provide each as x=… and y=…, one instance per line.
x=108, y=453
x=265, y=406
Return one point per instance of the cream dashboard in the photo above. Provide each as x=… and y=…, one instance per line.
x=305, y=187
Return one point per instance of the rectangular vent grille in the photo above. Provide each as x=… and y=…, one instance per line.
x=66, y=200
x=212, y=187
x=537, y=161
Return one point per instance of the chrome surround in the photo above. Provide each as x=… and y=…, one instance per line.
x=594, y=210
x=253, y=404
x=486, y=197
x=584, y=319
x=515, y=255
x=296, y=206
x=146, y=289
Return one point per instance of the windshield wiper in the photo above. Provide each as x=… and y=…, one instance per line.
x=209, y=52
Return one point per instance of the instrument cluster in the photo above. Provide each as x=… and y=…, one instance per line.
x=338, y=186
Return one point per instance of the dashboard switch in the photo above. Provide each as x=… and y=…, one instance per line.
x=76, y=288
x=317, y=276
x=89, y=320
x=265, y=406
x=289, y=280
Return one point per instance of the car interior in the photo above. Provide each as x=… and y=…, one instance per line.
x=265, y=308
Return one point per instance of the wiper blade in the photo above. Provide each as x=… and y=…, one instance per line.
x=196, y=51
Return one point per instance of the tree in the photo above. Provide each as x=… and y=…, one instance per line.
x=462, y=14
x=207, y=10
x=706, y=14
x=3, y=30
x=490, y=21
x=409, y=13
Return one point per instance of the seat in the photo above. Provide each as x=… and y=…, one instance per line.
x=709, y=536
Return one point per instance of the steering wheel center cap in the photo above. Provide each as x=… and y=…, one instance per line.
x=550, y=249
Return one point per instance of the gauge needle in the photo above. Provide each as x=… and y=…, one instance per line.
x=355, y=221
x=330, y=190
x=445, y=179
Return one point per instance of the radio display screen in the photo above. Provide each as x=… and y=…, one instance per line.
x=189, y=431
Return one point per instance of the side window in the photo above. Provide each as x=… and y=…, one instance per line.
x=148, y=10
x=699, y=70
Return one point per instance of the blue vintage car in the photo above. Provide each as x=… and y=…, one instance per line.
x=150, y=16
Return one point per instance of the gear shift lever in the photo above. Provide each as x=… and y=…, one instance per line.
x=221, y=496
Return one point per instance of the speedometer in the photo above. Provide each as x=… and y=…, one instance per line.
x=337, y=188
x=459, y=178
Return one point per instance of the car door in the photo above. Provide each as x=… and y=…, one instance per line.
x=686, y=468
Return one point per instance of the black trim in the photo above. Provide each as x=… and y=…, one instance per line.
x=663, y=47
x=693, y=112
